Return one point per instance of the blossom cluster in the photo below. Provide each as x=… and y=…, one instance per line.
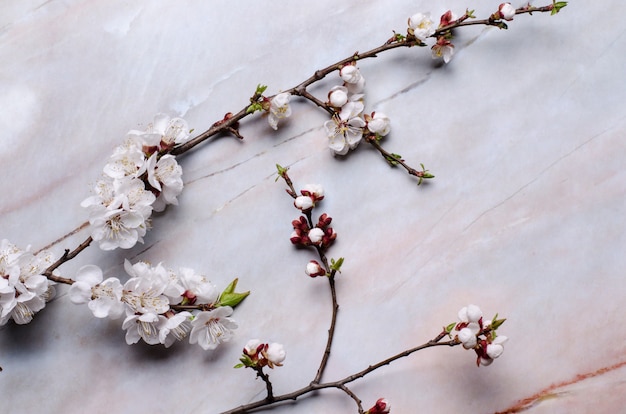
x=160, y=305
x=349, y=124
x=321, y=234
x=422, y=27
x=480, y=335
x=24, y=290
x=140, y=177
x=257, y=354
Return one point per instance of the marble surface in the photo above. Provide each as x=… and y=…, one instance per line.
x=524, y=130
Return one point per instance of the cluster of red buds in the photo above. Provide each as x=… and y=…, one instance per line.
x=321, y=235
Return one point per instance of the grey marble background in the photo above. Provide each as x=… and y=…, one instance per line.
x=524, y=130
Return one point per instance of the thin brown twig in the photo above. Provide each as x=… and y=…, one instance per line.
x=66, y=257
x=342, y=382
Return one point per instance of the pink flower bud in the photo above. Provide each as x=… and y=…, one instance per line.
x=324, y=220
x=381, y=407
x=446, y=18
x=506, y=11
x=252, y=347
x=295, y=238
x=315, y=191
x=314, y=269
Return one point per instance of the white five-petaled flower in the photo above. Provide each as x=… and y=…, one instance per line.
x=279, y=109
x=210, y=328
x=443, y=49
x=165, y=175
x=143, y=326
x=104, y=298
x=170, y=130
x=196, y=288
x=506, y=11
x=128, y=160
x=175, y=327
x=345, y=130
x=421, y=26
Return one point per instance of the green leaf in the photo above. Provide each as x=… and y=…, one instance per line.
x=470, y=14
x=336, y=265
x=450, y=327
x=496, y=323
x=557, y=6
x=231, y=298
x=239, y=366
x=260, y=89
x=254, y=107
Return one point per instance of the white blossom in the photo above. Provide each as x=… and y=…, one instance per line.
x=421, y=26
x=443, y=49
x=174, y=328
x=345, y=130
x=150, y=289
x=196, y=288
x=119, y=212
x=24, y=290
x=279, y=109
x=170, y=131
x=144, y=326
x=165, y=175
x=210, y=328
x=104, y=298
